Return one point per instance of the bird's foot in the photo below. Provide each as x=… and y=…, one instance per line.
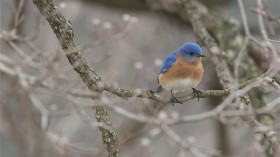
x=174, y=99
x=197, y=93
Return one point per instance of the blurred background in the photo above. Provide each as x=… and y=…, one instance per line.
x=125, y=41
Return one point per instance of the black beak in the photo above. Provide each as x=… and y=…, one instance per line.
x=200, y=56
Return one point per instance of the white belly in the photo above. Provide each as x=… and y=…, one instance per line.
x=180, y=85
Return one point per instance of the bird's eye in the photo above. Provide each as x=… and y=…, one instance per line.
x=191, y=53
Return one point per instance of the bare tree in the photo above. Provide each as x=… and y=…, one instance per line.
x=27, y=71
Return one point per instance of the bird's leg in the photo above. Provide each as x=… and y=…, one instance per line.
x=197, y=93
x=174, y=99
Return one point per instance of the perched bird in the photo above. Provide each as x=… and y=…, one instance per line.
x=182, y=70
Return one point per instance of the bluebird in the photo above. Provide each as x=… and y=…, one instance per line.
x=182, y=70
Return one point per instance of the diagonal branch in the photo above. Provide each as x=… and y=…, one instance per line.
x=65, y=34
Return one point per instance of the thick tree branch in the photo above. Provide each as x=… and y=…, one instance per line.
x=64, y=32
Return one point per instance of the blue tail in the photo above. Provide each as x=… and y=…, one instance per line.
x=159, y=89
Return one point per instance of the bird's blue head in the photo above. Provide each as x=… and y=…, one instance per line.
x=190, y=51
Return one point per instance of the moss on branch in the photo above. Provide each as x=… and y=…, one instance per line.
x=63, y=30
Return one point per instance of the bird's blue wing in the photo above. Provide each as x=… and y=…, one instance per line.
x=169, y=61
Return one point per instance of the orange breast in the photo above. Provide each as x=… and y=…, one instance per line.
x=182, y=69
